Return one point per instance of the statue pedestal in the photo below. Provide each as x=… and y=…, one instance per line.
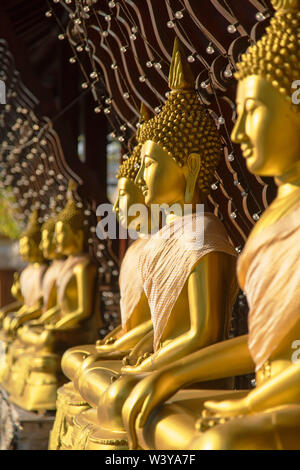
x=21, y=429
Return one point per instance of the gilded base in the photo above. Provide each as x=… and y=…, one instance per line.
x=69, y=404
x=88, y=435
x=34, y=381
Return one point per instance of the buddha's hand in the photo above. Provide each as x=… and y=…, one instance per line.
x=228, y=408
x=132, y=360
x=146, y=395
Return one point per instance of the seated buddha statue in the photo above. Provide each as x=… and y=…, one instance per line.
x=75, y=316
x=49, y=291
x=16, y=292
x=135, y=314
x=189, y=280
x=268, y=416
x=28, y=286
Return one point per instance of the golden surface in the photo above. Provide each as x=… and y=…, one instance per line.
x=34, y=371
x=117, y=343
x=202, y=312
x=267, y=417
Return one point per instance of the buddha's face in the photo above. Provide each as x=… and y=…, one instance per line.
x=128, y=194
x=163, y=182
x=48, y=245
x=29, y=251
x=67, y=241
x=267, y=128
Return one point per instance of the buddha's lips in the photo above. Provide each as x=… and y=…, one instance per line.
x=247, y=150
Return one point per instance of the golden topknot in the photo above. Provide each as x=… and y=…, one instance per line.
x=276, y=56
x=33, y=229
x=49, y=225
x=72, y=214
x=184, y=126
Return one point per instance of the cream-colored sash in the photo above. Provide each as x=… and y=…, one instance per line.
x=130, y=282
x=166, y=262
x=31, y=280
x=269, y=274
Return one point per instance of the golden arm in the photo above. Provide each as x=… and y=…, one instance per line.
x=128, y=340
x=46, y=316
x=283, y=389
x=30, y=313
x=207, y=297
x=12, y=307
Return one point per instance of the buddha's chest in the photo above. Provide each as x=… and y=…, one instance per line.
x=69, y=295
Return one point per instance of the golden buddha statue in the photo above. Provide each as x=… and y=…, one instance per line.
x=189, y=283
x=49, y=291
x=267, y=417
x=74, y=317
x=135, y=314
x=27, y=287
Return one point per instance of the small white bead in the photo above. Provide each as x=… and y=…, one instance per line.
x=260, y=16
x=231, y=28
x=170, y=24
x=228, y=73
x=210, y=49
